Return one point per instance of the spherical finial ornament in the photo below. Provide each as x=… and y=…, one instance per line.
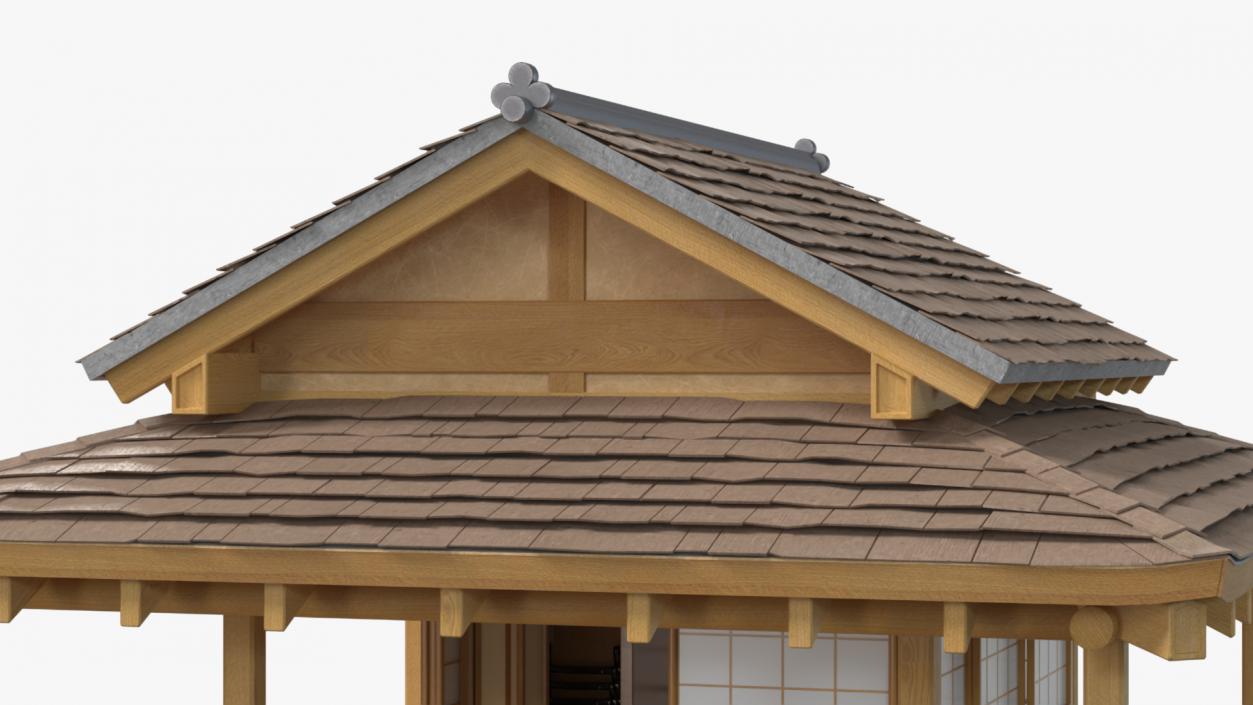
x=524, y=92
x=808, y=146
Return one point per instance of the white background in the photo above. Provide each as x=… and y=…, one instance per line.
x=1101, y=148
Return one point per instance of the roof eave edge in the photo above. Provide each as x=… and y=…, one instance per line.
x=100, y=362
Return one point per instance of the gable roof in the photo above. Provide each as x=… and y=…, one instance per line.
x=1074, y=483
x=919, y=281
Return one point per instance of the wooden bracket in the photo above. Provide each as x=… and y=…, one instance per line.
x=898, y=395
x=643, y=615
x=1174, y=631
x=282, y=605
x=802, y=620
x=14, y=594
x=138, y=599
x=959, y=621
x=457, y=610
x=1220, y=615
x=217, y=383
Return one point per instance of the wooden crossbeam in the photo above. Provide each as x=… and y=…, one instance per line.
x=1094, y=627
x=1174, y=631
x=14, y=594
x=458, y=610
x=643, y=614
x=282, y=605
x=959, y=619
x=138, y=599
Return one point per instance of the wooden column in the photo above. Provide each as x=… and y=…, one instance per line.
x=567, y=269
x=243, y=661
x=1105, y=675
x=1246, y=663
x=917, y=670
x=424, y=664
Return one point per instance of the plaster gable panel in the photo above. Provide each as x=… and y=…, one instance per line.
x=626, y=263
x=493, y=250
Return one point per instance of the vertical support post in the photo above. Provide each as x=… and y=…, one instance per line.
x=1246, y=663
x=917, y=665
x=1105, y=675
x=243, y=661
x=567, y=268
x=424, y=664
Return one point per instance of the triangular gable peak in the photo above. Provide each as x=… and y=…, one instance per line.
x=770, y=312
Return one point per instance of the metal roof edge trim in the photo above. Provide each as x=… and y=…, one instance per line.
x=856, y=293
x=596, y=110
x=436, y=164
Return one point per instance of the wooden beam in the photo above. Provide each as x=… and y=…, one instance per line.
x=800, y=622
x=216, y=383
x=959, y=622
x=1094, y=627
x=748, y=577
x=458, y=609
x=1026, y=392
x=1105, y=675
x=1174, y=631
x=1220, y=616
x=1048, y=390
x=1124, y=385
x=1069, y=390
x=899, y=395
x=1108, y=386
x=243, y=661
x=657, y=337
x=14, y=594
x=1141, y=384
x=643, y=612
x=282, y=605
x=1244, y=608
x=917, y=670
x=138, y=599
x=567, y=245
x=1002, y=393
x=424, y=664
x=1090, y=388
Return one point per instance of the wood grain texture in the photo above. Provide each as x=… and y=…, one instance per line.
x=959, y=623
x=15, y=593
x=881, y=580
x=800, y=623
x=1094, y=627
x=917, y=670
x=382, y=385
x=520, y=337
x=1105, y=675
x=243, y=661
x=1246, y=664
x=458, y=609
x=842, y=388
x=1220, y=615
x=643, y=614
x=567, y=245
x=1174, y=631
x=137, y=600
x=282, y=604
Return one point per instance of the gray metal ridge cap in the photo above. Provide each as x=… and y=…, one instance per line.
x=97, y=364
x=585, y=107
x=910, y=321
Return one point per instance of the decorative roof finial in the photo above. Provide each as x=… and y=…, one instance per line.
x=807, y=146
x=522, y=94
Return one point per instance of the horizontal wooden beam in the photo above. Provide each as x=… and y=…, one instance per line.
x=673, y=337
x=643, y=616
x=1094, y=627
x=282, y=604
x=958, y=627
x=137, y=600
x=835, y=579
x=14, y=594
x=458, y=609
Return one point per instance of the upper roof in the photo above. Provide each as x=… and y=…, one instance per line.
x=1080, y=482
x=768, y=198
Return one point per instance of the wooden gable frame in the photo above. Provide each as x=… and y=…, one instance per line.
x=908, y=378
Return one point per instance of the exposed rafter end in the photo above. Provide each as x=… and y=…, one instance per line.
x=642, y=617
x=282, y=605
x=14, y=594
x=457, y=610
x=1026, y=391
x=959, y=621
x=217, y=383
x=138, y=599
x=898, y=395
x=1220, y=616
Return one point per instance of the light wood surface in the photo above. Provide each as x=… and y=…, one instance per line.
x=382, y=385
x=959, y=622
x=282, y=604
x=1246, y=664
x=1220, y=616
x=1174, y=631
x=1105, y=675
x=1094, y=627
x=917, y=670
x=642, y=618
x=898, y=395
x=841, y=388
x=800, y=623
x=458, y=609
x=14, y=594
x=243, y=661
x=884, y=580
x=554, y=336
x=137, y=600
x=218, y=383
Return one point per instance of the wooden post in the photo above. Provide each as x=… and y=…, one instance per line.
x=243, y=661
x=424, y=664
x=1246, y=663
x=1105, y=675
x=917, y=670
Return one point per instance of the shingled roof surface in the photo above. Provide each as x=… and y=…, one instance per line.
x=927, y=271
x=956, y=286
x=1080, y=482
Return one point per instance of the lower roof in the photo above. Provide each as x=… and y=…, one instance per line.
x=1080, y=482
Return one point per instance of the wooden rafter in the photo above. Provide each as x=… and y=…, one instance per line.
x=14, y=594
x=959, y=622
x=138, y=599
x=282, y=604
